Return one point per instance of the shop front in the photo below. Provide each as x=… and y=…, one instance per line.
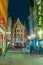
x=2, y=40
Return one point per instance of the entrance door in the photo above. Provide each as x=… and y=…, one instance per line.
x=1, y=43
x=1, y=40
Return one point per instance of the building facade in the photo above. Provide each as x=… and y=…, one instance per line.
x=19, y=33
x=38, y=21
x=3, y=22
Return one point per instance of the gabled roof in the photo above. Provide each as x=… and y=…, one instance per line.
x=18, y=22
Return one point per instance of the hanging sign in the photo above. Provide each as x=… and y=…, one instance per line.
x=2, y=20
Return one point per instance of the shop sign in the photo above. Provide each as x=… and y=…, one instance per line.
x=2, y=20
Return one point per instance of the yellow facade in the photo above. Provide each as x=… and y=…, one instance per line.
x=3, y=8
x=3, y=11
x=3, y=27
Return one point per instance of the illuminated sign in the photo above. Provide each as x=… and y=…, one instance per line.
x=2, y=20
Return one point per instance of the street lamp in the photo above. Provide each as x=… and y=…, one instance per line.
x=29, y=37
x=33, y=36
x=40, y=33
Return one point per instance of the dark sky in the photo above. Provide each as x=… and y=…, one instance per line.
x=19, y=8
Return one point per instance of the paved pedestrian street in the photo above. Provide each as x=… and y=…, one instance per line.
x=21, y=59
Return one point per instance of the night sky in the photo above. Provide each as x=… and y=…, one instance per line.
x=19, y=8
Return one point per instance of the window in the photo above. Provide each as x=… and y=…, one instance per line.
x=21, y=30
x=14, y=30
x=21, y=35
x=18, y=30
x=18, y=35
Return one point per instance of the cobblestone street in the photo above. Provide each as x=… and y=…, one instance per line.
x=21, y=59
